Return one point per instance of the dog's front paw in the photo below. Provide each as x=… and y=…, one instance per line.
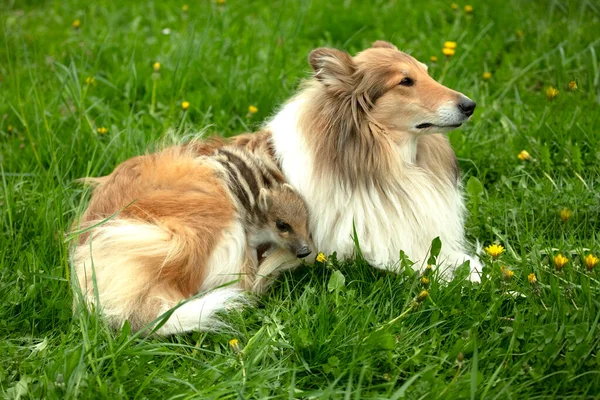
x=476, y=268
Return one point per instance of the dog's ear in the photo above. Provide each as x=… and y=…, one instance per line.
x=332, y=67
x=382, y=44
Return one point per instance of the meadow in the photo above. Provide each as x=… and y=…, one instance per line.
x=86, y=85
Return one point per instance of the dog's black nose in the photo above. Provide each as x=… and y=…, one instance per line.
x=303, y=252
x=467, y=106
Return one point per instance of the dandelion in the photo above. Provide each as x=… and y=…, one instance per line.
x=448, y=52
x=565, y=214
x=252, y=109
x=321, y=257
x=235, y=345
x=468, y=9
x=450, y=45
x=425, y=281
x=454, y=6
x=9, y=128
x=156, y=66
x=524, y=155
x=90, y=80
x=428, y=269
x=507, y=274
x=572, y=86
x=560, y=261
x=422, y=296
x=551, y=93
x=519, y=34
x=590, y=261
x=433, y=59
x=495, y=250
x=531, y=278
x=185, y=105
x=102, y=130
x=221, y=1
x=487, y=76
x=185, y=8
x=76, y=24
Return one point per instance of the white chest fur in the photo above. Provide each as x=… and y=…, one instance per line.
x=406, y=218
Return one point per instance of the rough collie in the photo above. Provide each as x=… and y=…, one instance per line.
x=363, y=142
x=164, y=227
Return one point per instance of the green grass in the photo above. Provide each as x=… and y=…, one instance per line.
x=314, y=335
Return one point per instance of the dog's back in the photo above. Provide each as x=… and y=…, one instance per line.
x=164, y=216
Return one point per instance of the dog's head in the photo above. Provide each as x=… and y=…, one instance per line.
x=390, y=88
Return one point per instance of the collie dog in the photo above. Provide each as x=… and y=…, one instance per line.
x=363, y=142
x=163, y=227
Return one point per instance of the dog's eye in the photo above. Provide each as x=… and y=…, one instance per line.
x=407, y=82
x=282, y=226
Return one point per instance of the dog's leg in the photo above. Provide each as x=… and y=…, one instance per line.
x=278, y=261
x=452, y=261
x=200, y=314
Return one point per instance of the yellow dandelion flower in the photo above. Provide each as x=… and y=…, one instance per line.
x=454, y=6
x=428, y=268
x=102, y=130
x=235, y=345
x=90, y=80
x=433, y=59
x=551, y=93
x=252, y=109
x=450, y=45
x=424, y=281
x=487, y=76
x=495, y=250
x=448, y=52
x=185, y=105
x=560, y=261
x=507, y=273
x=321, y=257
x=572, y=86
x=565, y=214
x=519, y=34
x=468, y=9
x=524, y=155
x=221, y=1
x=590, y=261
x=9, y=128
x=185, y=8
x=156, y=66
x=422, y=296
x=76, y=24
x=532, y=278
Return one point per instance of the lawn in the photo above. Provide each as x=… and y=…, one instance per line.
x=80, y=92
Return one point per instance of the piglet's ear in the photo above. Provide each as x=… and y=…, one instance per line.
x=382, y=44
x=264, y=200
x=332, y=67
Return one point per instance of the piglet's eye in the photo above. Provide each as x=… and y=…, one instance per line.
x=282, y=226
x=407, y=82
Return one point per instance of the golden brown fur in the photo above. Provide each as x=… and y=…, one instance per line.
x=172, y=213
